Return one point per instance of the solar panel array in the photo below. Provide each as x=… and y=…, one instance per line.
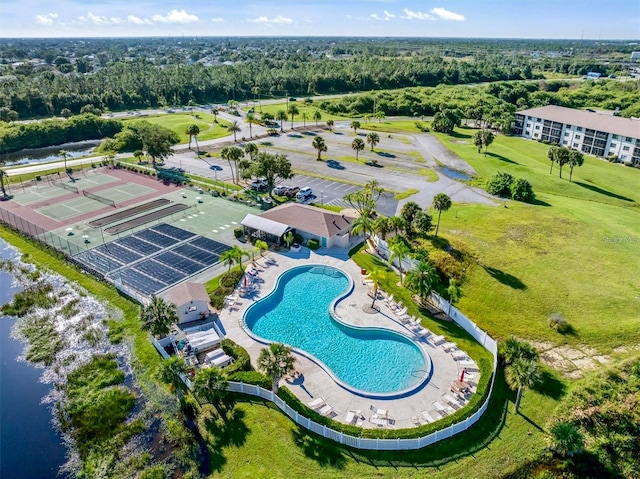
x=155, y=258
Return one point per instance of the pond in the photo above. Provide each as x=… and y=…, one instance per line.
x=29, y=444
x=455, y=174
x=48, y=154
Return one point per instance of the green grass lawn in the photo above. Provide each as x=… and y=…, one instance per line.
x=179, y=122
x=392, y=126
x=302, y=107
x=573, y=252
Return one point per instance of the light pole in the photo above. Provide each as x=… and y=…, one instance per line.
x=321, y=198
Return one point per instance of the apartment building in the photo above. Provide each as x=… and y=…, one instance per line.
x=592, y=133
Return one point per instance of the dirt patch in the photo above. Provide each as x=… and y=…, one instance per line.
x=460, y=142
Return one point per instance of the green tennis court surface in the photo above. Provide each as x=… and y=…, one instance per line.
x=37, y=195
x=124, y=192
x=70, y=208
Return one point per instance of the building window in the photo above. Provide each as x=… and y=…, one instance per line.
x=566, y=133
x=575, y=145
x=629, y=139
x=615, y=137
x=568, y=126
x=577, y=137
x=537, y=127
x=579, y=128
x=565, y=142
x=192, y=308
x=614, y=145
x=625, y=148
x=623, y=157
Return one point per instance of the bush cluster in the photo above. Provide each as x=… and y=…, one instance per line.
x=504, y=184
x=242, y=361
x=228, y=282
x=558, y=322
x=313, y=244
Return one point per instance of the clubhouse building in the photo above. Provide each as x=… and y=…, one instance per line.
x=592, y=133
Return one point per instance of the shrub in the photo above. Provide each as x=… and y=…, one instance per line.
x=297, y=238
x=500, y=184
x=313, y=244
x=239, y=354
x=238, y=233
x=521, y=190
x=231, y=278
x=251, y=377
x=558, y=322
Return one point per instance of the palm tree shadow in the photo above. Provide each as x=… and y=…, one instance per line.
x=603, y=192
x=501, y=158
x=550, y=386
x=505, y=278
x=321, y=450
x=230, y=430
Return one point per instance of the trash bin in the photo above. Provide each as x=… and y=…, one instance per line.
x=363, y=271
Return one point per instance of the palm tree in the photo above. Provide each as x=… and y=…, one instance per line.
x=567, y=439
x=355, y=124
x=214, y=112
x=513, y=348
x=276, y=361
x=373, y=139
x=251, y=149
x=551, y=154
x=522, y=374
x=232, y=153
x=441, y=202
x=261, y=246
x=358, y=146
x=158, y=316
x=382, y=226
x=319, y=144
x=138, y=154
x=453, y=290
x=487, y=139
x=171, y=372
x=317, y=116
x=380, y=115
x=398, y=223
x=576, y=158
x=234, y=128
x=400, y=248
x=64, y=154
x=330, y=124
x=193, y=131
x=363, y=224
x=210, y=384
x=256, y=91
x=422, y=280
x=251, y=119
x=2, y=175
x=288, y=238
x=229, y=257
x=281, y=116
x=293, y=111
x=376, y=275
x=305, y=115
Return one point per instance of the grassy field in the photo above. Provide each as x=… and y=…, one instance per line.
x=302, y=107
x=572, y=252
x=179, y=122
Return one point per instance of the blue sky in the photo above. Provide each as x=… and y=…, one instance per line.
x=593, y=19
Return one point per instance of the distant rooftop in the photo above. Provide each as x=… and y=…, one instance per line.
x=595, y=121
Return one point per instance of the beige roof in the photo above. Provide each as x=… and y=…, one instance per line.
x=187, y=292
x=595, y=121
x=317, y=221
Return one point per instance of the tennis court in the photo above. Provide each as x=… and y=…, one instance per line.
x=122, y=193
x=70, y=208
x=38, y=194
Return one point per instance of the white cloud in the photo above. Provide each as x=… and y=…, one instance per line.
x=387, y=16
x=175, y=16
x=278, y=20
x=445, y=14
x=217, y=20
x=138, y=21
x=46, y=19
x=411, y=15
x=100, y=20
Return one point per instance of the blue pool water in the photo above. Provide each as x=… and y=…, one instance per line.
x=368, y=359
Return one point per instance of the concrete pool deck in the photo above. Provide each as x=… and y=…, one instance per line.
x=314, y=382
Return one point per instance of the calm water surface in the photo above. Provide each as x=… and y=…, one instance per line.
x=29, y=446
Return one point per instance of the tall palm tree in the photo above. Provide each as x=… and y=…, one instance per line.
x=251, y=149
x=234, y=128
x=64, y=154
x=171, y=371
x=261, y=246
x=232, y=256
x=210, y=384
x=293, y=111
x=305, y=116
x=288, y=238
x=576, y=158
x=281, y=116
x=441, y=202
x=379, y=115
x=422, y=280
x=522, y=374
x=193, y=131
x=357, y=145
x=319, y=144
x=330, y=124
x=355, y=124
x=214, y=112
x=363, y=224
x=158, y=316
x=382, y=226
x=232, y=153
x=398, y=223
x=400, y=248
x=514, y=348
x=376, y=275
x=317, y=116
x=454, y=293
x=373, y=139
x=251, y=119
x=138, y=154
x=551, y=154
x=276, y=361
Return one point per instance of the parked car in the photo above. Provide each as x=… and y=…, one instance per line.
x=292, y=191
x=304, y=194
x=280, y=190
x=259, y=185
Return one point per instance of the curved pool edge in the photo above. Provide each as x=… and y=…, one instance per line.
x=336, y=317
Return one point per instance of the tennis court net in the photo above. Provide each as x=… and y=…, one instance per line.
x=99, y=198
x=59, y=184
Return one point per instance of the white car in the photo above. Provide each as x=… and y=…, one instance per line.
x=304, y=194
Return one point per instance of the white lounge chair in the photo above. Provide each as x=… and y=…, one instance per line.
x=350, y=417
x=316, y=403
x=448, y=347
x=401, y=312
x=379, y=421
x=438, y=339
x=426, y=416
x=443, y=409
x=389, y=300
x=468, y=363
x=416, y=420
x=424, y=333
x=325, y=410
x=221, y=361
x=451, y=400
x=459, y=355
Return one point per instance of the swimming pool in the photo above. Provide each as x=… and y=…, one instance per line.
x=370, y=361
